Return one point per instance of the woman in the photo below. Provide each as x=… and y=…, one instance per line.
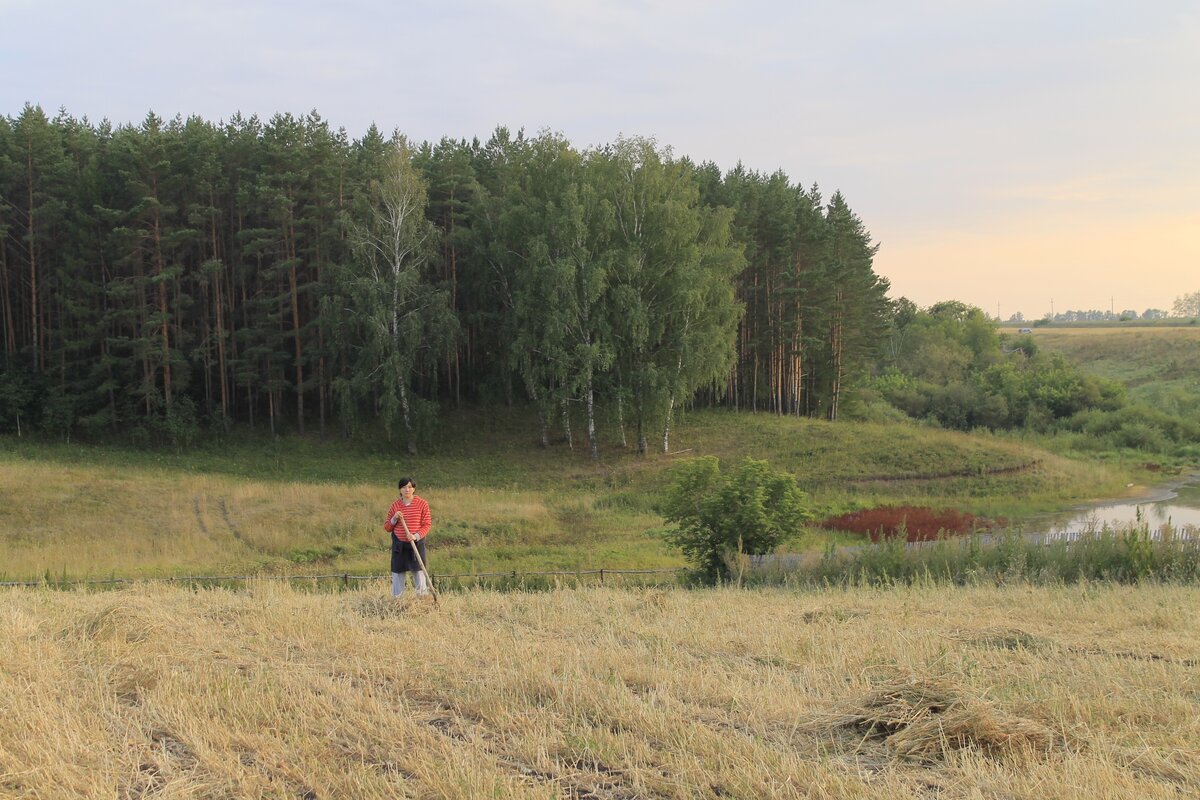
x=415, y=515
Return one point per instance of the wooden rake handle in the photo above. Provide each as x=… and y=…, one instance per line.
x=412, y=543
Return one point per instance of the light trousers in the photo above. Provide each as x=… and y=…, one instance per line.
x=418, y=583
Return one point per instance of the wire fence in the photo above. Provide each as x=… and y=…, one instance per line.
x=346, y=579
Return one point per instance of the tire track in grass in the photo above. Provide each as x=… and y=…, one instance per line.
x=941, y=476
x=224, y=508
x=199, y=515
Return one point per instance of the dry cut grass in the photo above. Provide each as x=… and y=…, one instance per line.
x=1082, y=692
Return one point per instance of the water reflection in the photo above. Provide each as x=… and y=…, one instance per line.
x=1176, y=508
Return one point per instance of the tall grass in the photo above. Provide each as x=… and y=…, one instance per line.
x=1133, y=555
x=1058, y=692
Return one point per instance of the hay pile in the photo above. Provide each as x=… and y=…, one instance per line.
x=927, y=718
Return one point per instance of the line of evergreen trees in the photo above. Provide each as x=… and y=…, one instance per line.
x=181, y=273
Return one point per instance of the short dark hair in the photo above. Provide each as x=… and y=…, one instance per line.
x=405, y=481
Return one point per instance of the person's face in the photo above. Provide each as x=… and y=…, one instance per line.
x=407, y=492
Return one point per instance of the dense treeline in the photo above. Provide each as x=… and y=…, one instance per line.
x=179, y=274
x=951, y=366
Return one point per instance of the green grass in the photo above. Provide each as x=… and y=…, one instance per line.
x=249, y=503
x=1160, y=369
x=1146, y=360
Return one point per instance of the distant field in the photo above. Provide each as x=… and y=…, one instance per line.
x=500, y=503
x=1081, y=692
x=1141, y=358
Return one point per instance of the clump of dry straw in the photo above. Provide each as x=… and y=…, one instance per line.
x=927, y=717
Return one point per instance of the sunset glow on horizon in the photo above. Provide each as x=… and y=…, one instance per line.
x=1003, y=154
x=1060, y=263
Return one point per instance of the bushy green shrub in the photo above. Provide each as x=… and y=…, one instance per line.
x=59, y=413
x=912, y=400
x=750, y=510
x=179, y=424
x=1138, y=427
x=948, y=366
x=1139, y=436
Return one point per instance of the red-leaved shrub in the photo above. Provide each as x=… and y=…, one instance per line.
x=919, y=523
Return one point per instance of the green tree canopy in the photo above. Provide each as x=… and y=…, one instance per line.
x=216, y=270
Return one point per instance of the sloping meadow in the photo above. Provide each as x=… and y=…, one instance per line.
x=151, y=691
x=71, y=512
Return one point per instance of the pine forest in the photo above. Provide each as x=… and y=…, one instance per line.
x=182, y=275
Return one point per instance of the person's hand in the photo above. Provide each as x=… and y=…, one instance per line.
x=395, y=518
x=412, y=537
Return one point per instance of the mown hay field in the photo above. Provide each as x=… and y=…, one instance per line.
x=1088, y=691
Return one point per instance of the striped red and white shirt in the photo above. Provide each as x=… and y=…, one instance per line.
x=416, y=516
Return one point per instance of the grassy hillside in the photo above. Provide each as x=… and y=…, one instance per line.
x=1141, y=358
x=499, y=501
x=1160, y=368
x=1082, y=692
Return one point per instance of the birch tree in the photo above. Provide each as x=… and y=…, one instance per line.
x=560, y=344
x=672, y=308
x=402, y=321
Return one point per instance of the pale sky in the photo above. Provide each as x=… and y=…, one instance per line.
x=1007, y=154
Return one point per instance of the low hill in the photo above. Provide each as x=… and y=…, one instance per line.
x=1075, y=692
x=249, y=504
x=1158, y=357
